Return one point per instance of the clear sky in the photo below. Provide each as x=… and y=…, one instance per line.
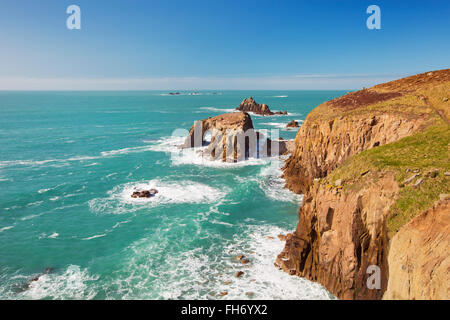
x=218, y=44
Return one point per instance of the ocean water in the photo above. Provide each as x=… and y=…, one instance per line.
x=68, y=164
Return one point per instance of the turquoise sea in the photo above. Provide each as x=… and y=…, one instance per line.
x=68, y=164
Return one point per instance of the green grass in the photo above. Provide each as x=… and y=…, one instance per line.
x=426, y=150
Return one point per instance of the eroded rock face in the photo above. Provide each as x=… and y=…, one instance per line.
x=233, y=138
x=322, y=146
x=419, y=259
x=342, y=225
x=340, y=235
x=250, y=105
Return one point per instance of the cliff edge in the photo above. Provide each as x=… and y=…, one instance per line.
x=371, y=163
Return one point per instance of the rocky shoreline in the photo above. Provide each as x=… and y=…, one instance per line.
x=375, y=203
x=348, y=225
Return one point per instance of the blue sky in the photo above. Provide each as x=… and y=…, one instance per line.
x=217, y=44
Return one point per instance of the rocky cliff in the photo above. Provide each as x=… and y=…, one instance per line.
x=233, y=139
x=419, y=259
x=364, y=162
x=250, y=105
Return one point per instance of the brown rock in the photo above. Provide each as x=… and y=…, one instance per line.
x=339, y=235
x=292, y=124
x=433, y=173
x=223, y=293
x=282, y=237
x=239, y=274
x=410, y=179
x=245, y=261
x=144, y=193
x=444, y=196
x=419, y=259
x=238, y=257
x=233, y=139
x=250, y=105
x=418, y=183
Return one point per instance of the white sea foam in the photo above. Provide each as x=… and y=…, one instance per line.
x=202, y=273
x=6, y=228
x=169, y=192
x=126, y=151
x=260, y=276
x=36, y=203
x=218, y=109
x=280, y=96
x=195, y=156
x=72, y=284
x=273, y=185
x=54, y=235
x=95, y=237
x=65, y=162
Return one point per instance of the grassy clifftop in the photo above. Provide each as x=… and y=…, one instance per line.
x=412, y=159
x=419, y=163
x=422, y=94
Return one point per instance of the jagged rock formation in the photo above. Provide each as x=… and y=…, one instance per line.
x=233, y=138
x=345, y=221
x=419, y=259
x=250, y=105
x=292, y=124
x=338, y=237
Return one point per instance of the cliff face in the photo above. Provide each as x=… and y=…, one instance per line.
x=338, y=237
x=357, y=121
x=350, y=158
x=321, y=146
x=419, y=260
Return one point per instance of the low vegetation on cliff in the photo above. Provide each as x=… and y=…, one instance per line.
x=424, y=157
x=374, y=168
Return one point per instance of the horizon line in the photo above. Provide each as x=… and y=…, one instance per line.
x=195, y=83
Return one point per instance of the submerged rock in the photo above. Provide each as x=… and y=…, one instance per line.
x=27, y=285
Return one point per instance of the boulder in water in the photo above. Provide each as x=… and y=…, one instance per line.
x=292, y=124
x=144, y=193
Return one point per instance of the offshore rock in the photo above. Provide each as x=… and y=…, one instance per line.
x=233, y=139
x=250, y=105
